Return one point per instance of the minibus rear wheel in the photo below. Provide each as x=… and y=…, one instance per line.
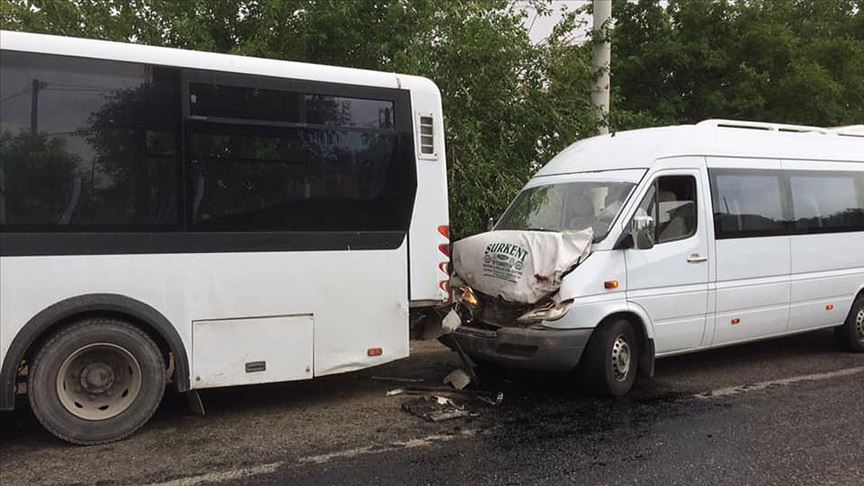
x=96, y=381
x=851, y=334
x=612, y=357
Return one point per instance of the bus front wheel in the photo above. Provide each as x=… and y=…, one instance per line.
x=96, y=381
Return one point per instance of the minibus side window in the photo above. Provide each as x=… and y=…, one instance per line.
x=826, y=202
x=748, y=203
x=672, y=203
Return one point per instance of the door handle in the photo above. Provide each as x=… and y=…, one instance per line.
x=695, y=258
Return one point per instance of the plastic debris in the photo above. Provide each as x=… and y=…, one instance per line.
x=451, y=321
x=458, y=379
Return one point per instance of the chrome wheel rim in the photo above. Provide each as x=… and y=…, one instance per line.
x=621, y=358
x=98, y=381
x=859, y=325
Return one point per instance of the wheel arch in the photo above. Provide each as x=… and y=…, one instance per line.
x=50, y=319
x=645, y=335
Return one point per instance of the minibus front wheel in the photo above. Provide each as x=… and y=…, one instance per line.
x=96, y=381
x=612, y=358
x=851, y=334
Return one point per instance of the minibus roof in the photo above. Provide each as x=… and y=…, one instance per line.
x=638, y=149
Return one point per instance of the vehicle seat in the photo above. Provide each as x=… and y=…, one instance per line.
x=681, y=218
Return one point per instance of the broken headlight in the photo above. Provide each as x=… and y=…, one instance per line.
x=550, y=311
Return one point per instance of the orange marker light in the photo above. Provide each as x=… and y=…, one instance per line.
x=374, y=352
x=611, y=284
x=829, y=307
x=444, y=230
x=736, y=321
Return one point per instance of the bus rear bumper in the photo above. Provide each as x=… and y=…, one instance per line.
x=538, y=349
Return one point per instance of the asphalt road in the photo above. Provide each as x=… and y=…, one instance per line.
x=788, y=411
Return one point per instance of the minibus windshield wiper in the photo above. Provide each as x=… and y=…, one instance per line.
x=542, y=229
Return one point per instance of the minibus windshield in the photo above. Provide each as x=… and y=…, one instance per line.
x=567, y=206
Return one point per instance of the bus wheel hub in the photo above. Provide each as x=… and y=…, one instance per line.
x=99, y=381
x=97, y=378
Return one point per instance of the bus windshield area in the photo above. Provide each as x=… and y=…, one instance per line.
x=571, y=206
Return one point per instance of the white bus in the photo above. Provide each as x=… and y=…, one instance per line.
x=231, y=220
x=704, y=236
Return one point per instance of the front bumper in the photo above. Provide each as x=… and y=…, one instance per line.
x=538, y=349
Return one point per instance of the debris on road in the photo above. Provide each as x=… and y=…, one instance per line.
x=458, y=379
x=397, y=379
x=491, y=398
x=436, y=409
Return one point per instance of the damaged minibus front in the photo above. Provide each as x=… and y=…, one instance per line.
x=526, y=293
x=664, y=241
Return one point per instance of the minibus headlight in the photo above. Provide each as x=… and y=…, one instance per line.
x=548, y=312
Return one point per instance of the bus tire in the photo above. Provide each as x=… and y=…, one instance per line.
x=96, y=381
x=611, y=358
x=851, y=334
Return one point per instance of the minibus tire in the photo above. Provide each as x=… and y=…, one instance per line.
x=599, y=371
x=851, y=334
x=96, y=381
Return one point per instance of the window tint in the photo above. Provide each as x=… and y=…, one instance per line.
x=215, y=100
x=747, y=203
x=87, y=144
x=826, y=202
x=297, y=179
x=671, y=201
x=272, y=160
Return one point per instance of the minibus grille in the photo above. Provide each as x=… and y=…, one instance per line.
x=497, y=312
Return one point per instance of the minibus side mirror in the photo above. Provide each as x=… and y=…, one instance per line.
x=642, y=231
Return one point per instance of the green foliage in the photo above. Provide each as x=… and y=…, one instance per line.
x=793, y=61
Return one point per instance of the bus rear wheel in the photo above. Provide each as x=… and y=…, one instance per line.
x=96, y=381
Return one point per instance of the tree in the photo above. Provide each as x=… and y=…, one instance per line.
x=793, y=61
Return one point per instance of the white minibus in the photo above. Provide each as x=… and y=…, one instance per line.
x=704, y=236
x=205, y=220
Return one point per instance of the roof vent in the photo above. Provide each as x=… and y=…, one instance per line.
x=772, y=127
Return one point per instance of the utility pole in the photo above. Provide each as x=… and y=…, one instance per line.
x=600, y=61
x=34, y=106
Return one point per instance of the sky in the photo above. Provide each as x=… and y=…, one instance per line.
x=540, y=26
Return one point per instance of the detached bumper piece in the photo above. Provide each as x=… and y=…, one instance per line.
x=540, y=349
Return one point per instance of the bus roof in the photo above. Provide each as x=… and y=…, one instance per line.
x=638, y=149
x=165, y=56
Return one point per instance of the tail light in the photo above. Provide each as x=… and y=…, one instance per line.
x=444, y=248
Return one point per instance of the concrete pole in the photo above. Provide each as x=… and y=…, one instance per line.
x=600, y=60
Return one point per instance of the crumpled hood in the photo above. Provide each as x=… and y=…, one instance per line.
x=519, y=266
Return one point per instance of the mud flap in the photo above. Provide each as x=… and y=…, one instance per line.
x=196, y=406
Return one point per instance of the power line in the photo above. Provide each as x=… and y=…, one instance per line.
x=26, y=90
